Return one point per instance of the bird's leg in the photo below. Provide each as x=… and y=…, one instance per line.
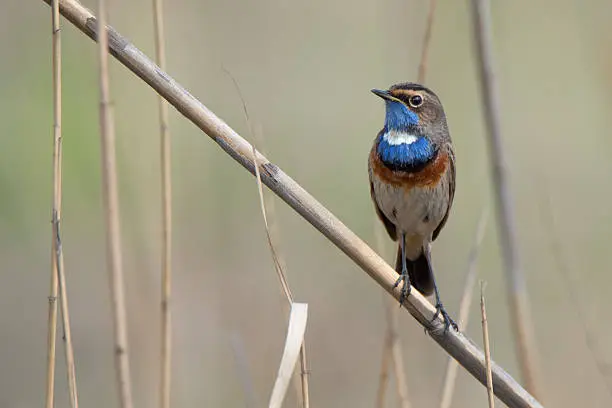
x=439, y=306
x=404, y=275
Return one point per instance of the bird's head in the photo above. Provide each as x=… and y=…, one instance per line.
x=415, y=110
x=415, y=127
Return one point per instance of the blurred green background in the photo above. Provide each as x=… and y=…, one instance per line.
x=305, y=69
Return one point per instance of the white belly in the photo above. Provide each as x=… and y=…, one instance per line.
x=416, y=212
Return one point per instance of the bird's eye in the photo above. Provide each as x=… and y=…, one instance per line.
x=415, y=101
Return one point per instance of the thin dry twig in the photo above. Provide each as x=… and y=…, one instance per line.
x=57, y=132
x=57, y=268
x=166, y=192
x=450, y=377
x=275, y=256
x=487, y=348
x=517, y=292
x=455, y=343
x=63, y=296
x=111, y=213
x=427, y=41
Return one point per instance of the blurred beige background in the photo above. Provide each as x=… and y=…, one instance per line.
x=305, y=69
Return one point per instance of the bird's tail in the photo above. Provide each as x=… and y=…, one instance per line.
x=419, y=272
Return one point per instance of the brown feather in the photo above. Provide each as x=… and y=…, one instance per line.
x=451, y=191
x=430, y=175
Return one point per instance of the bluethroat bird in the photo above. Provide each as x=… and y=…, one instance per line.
x=412, y=182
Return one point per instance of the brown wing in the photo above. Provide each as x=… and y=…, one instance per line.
x=389, y=226
x=451, y=191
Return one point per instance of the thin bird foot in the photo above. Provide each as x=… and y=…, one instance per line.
x=405, y=287
x=448, y=322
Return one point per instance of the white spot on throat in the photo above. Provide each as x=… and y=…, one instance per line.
x=395, y=138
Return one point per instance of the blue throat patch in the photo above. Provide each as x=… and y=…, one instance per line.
x=399, y=117
x=404, y=157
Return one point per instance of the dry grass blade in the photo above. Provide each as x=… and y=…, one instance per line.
x=277, y=265
x=455, y=343
x=166, y=191
x=300, y=383
x=517, y=292
x=275, y=257
x=293, y=344
x=283, y=280
x=487, y=348
x=450, y=377
x=111, y=213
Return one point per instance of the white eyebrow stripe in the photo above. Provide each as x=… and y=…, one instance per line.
x=395, y=138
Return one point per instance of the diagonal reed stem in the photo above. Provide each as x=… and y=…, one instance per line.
x=166, y=191
x=517, y=293
x=111, y=213
x=455, y=343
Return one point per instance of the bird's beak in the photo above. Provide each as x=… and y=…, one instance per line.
x=383, y=94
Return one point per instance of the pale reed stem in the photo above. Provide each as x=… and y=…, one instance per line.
x=111, y=213
x=166, y=191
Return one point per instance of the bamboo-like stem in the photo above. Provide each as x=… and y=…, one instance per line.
x=111, y=213
x=166, y=191
x=57, y=133
x=517, y=292
x=57, y=257
x=455, y=343
x=450, y=377
x=487, y=347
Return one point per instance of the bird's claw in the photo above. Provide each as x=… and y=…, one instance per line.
x=448, y=322
x=405, y=291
